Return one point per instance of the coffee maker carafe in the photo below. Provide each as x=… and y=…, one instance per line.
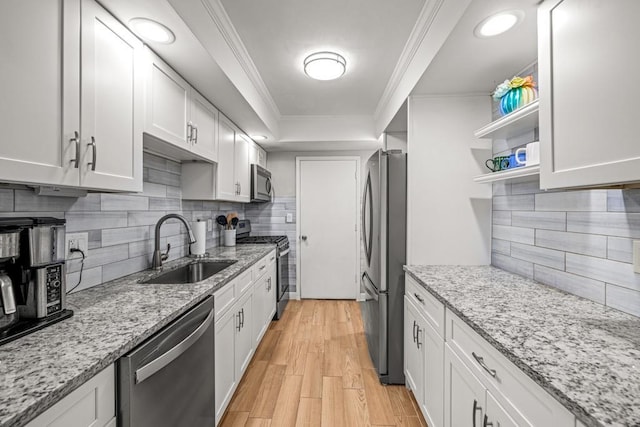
x=10, y=236
x=43, y=288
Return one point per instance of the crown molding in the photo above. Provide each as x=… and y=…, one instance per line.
x=232, y=38
x=417, y=36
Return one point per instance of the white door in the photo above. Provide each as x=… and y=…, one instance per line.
x=328, y=200
x=40, y=84
x=226, y=185
x=112, y=104
x=413, y=353
x=464, y=395
x=205, y=122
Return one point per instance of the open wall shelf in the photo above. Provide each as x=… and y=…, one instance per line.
x=517, y=174
x=513, y=124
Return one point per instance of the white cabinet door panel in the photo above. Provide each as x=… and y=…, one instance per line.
x=224, y=361
x=464, y=395
x=226, y=185
x=204, y=117
x=242, y=168
x=111, y=103
x=40, y=102
x=244, y=336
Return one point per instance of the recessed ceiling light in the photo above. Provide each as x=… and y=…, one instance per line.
x=498, y=23
x=258, y=137
x=152, y=31
x=325, y=65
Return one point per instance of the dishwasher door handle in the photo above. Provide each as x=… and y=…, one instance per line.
x=160, y=362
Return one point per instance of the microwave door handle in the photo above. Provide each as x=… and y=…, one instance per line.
x=268, y=185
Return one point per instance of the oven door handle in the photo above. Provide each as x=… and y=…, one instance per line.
x=286, y=252
x=160, y=362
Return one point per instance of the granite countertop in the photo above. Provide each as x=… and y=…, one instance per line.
x=38, y=370
x=584, y=354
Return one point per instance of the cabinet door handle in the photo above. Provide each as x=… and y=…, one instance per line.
x=239, y=188
x=76, y=141
x=418, y=343
x=419, y=298
x=480, y=360
x=195, y=131
x=95, y=153
x=189, y=131
x=486, y=423
x=242, y=314
x=476, y=408
x=414, y=331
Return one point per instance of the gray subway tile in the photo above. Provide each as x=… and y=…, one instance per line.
x=620, y=249
x=526, y=187
x=513, y=234
x=90, y=277
x=116, y=236
x=152, y=161
x=95, y=239
x=174, y=192
x=501, y=217
x=623, y=299
x=586, y=244
x=143, y=247
x=617, y=273
x=577, y=285
x=501, y=188
x=122, y=268
x=163, y=204
x=163, y=177
x=523, y=268
x=28, y=201
x=501, y=246
x=122, y=202
x=83, y=221
x=151, y=189
x=513, y=203
x=88, y=203
x=606, y=223
x=623, y=200
x=543, y=220
x=586, y=200
x=101, y=256
x=548, y=257
x=6, y=200
x=144, y=218
x=174, y=167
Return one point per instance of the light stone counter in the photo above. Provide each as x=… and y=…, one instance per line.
x=38, y=370
x=584, y=354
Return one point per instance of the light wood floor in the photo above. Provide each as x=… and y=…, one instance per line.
x=313, y=369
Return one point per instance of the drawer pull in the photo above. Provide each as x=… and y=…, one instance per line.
x=414, y=331
x=263, y=267
x=419, y=298
x=486, y=423
x=480, y=360
x=476, y=408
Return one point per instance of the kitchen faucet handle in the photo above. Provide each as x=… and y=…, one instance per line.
x=165, y=255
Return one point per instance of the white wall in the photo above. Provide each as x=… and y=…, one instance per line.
x=396, y=141
x=282, y=166
x=449, y=216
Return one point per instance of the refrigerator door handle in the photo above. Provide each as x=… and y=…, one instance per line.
x=369, y=287
x=367, y=229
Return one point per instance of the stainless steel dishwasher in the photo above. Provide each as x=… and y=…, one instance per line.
x=169, y=379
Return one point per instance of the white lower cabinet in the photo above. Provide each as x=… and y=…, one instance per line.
x=459, y=379
x=240, y=316
x=264, y=300
x=90, y=405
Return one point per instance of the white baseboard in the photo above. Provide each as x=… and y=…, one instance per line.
x=294, y=295
x=363, y=296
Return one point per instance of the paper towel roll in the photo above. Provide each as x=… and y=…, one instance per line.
x=200, y=232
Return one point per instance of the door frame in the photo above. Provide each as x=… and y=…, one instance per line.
x=356, y=279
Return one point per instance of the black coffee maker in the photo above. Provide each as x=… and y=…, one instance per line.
x=37, y=274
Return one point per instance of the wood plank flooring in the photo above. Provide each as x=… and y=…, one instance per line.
x=312, y=368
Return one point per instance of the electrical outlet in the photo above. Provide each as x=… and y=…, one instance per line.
x=636, y=256
x=289, y=217
x=76, y=241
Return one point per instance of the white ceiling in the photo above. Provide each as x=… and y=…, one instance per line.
x=468, y=64
x=279, y=34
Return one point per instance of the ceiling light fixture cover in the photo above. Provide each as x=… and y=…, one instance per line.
x=498, y=23
x=325, y=65
x=152, y=31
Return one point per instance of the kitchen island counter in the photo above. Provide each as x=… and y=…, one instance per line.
x=109, y=320
x=584, y=354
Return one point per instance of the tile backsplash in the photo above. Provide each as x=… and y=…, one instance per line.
x=120, y=227
x=578, y=241
x=269, y=219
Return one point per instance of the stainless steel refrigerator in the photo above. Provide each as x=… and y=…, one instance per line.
x=384, y=229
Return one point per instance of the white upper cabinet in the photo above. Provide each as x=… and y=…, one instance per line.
x=43, y=90
x=241, y=168
x=175, y=113
x=226, y=183
x=112, y=103
x=589, y=123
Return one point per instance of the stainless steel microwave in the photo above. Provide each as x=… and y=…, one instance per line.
x=260, y=184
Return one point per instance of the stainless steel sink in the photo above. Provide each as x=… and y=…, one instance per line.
x=191, y=273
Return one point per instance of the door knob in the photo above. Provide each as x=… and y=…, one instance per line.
x=303, y=238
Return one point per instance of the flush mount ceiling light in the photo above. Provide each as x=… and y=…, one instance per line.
x=498, y=23
x=325, y=65
x=258, y=137
x=152, y=31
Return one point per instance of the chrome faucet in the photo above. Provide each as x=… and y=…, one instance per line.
x=158, y=256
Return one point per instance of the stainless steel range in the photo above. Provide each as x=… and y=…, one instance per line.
x=243, y=236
